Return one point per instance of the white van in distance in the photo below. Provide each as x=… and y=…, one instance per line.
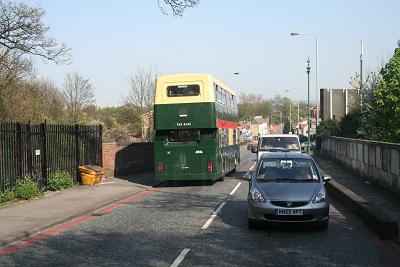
x=268, y=143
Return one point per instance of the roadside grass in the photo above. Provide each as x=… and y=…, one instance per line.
x=7, y=196
x=59, y=180
x=26, y=188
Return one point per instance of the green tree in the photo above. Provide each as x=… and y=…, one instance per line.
x=387, y=102
x=325, y=129
x=367, y=107
x=351, y=124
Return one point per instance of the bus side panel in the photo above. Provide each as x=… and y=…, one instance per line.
x=229, y=155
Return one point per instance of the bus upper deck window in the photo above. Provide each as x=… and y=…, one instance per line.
x=183, y=90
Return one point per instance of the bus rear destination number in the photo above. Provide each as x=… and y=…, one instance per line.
x=183, y=124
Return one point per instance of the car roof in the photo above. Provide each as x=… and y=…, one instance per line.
x=288, y=155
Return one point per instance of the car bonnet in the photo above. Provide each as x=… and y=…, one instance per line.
x=288, y=191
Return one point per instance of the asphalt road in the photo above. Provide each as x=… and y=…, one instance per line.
x=175, y=225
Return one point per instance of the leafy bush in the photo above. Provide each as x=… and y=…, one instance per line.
x=6, y=196
x=60, y=180
x=325, y=129
x=26, y=188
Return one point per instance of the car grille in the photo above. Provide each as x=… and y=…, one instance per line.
x=300, y=218
x=293, y=204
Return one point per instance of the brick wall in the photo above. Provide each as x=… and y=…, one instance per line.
x=125, y=160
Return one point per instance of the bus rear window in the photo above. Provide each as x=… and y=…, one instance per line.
x=183, y=135
x=183, y=90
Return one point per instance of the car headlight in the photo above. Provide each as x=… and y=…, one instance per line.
x=319, y=198
x=256, y=195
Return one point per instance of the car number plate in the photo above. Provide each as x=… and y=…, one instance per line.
x=288, y=212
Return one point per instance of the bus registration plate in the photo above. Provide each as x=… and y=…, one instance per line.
x=288, y=212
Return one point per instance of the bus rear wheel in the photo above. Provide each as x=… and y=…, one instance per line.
x=236, y=165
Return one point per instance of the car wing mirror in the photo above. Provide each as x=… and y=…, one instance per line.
x=254, y=149
x=247, y=176
x=326, y=178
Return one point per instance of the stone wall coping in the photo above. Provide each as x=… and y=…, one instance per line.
x=364, y=141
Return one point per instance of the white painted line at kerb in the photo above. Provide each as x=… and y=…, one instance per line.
x=180, y=257
x=209, y=221
x=107, y=183
x=252, y=167
x=234, y=189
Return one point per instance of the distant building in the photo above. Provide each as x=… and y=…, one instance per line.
x=245, y=134
x=302, y=128
x=276, y=128
x=258, y=126
x=336, y=103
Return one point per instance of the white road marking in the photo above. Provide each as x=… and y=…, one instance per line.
x=107, y=183
x=234, y=189
x=180, y=257
x=252, y=167
x=209, y=221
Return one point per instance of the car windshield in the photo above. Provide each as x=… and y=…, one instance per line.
x=280, y=143
x=284, y=169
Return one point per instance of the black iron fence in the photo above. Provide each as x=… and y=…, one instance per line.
x=38, y=150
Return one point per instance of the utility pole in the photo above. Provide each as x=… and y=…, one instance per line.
x=290, y=112
x=316, y=81
x=298, y=117
x=361, y=72
x=308, y=103
x=290, y=116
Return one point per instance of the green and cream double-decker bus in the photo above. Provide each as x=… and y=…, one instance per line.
x=196, y=128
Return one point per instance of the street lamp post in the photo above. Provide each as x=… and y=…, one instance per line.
x=290, y=117
x=316, y=68
x=361, y=72
x=308, y=68
x=290, y=113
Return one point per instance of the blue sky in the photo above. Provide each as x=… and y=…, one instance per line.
x=110, y=39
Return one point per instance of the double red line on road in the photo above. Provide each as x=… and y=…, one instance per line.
x=75, y=222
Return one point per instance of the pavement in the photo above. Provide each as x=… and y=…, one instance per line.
x=26, y=218
x=374, y=205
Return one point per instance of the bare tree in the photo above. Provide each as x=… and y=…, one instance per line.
x=22, y=30
x=141, y=98
x=54, y=105
x=141, y=92
x=78, y=93
x=177, y=6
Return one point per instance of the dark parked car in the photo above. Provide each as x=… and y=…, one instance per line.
x=287, y=188
x=251, y=145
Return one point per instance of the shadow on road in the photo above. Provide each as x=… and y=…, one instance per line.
x=146, y=178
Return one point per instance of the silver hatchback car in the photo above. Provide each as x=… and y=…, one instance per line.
x=287, y=188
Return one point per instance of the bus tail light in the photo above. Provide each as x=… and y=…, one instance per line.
x=209, y=166
x=160, y=167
